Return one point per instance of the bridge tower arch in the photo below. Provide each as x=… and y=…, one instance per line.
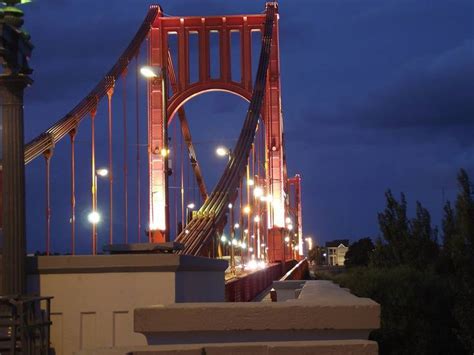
x=159, y=117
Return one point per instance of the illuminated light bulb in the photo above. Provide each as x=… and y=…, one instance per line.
x=262, y=245
x=223, y=238
x=191, y=206
x=229, y=205
x=258, y=192
x=186, y=231
x=103, y=172
x=235, y=242
x=250, y=182
x=287, y=239
x=236, y=226
x=252, y=236
x=257, y=219
x=251, y=249
x=94, y=217
x=290, y=227
x=247, y=209
x=148, y=72
x=222, y=151
x=246, y=231
x=288, y=220
x=243, y=246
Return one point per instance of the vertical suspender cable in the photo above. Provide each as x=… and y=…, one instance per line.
x=125, y=158
x=72, y=135
x=111, y=174
x=47, y=156
x=137, y=117
x=175, y=177
x=93, y=182
x=182, y=181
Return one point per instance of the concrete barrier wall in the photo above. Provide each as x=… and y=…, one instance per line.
x=94, y=296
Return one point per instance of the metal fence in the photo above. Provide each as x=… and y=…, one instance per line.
x=25, y=325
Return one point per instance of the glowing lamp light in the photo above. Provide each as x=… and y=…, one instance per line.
x=262, y=245
x=287, y=239
x=288, y=220
x=94, y=217
x=223, y=238
x=247, y=209
x=258, y=192
x=246, y=231
x=243, y=246
x=256, y=219
x=252, y=236
x=324, y=254
x=230, y=206
x=186, y=231
x=103, y=172
x=222, y=151
x=191, y=206
x=235, y=242
x=251, y=249
x=236, y=226
x=165, y=152
x=261, y=264
x=148, y=72
x=290, y=227
x=250, y=182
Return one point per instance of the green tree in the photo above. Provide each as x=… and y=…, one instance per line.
x=359, y=253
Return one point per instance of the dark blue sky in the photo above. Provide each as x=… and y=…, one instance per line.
x=376, y=95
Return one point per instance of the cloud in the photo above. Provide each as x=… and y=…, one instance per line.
x=429, y=93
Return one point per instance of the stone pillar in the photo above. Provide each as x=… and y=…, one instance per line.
x=13, y=194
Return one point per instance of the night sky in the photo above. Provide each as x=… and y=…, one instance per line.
x=376, y=95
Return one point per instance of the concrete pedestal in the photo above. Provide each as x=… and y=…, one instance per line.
x=94, y=296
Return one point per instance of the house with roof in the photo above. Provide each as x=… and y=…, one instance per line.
x=336, y=251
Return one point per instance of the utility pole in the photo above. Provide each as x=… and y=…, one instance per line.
x=15, y=50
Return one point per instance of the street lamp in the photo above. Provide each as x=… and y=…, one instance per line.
x=222, y=151
x=189, y=207
x=148, y=72
x=93, y=217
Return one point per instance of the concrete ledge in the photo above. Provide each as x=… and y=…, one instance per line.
x=327, y=347
x=62, y=264
x=336, y=315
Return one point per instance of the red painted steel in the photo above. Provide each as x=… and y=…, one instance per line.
x=298, y=211
x=110, y=93
x=185, y=90
x=72, y=135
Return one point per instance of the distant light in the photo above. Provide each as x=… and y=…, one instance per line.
x=236, y=226
x=258, y=192
x=252, y=265
x=164, y=152
x=94, y=217
x=235, y=242
x=223, y=238
x=261, y=264
x=246, y=231
x=186, y=231
x=243, y=246
x=251, y=249
x=297, y=247
x=229, y=205
x=287, y=239
x=288, y=220
x=324, y=254
x=290, y=227
x=262, y=245
x=256, y=219
x=191, y=206
x=102, y=172
x=148, y=72
x=222, y=151
x=263, y=198
x=252, y=236
x=250, y=182
x=247, y=209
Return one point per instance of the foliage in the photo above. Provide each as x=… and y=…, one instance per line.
x=411, y=242
x=316, y=254
x=426, y=291
x=359, y=253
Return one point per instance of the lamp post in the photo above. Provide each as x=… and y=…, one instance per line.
x=94, y=216
x=15, y=49
x=190, y=207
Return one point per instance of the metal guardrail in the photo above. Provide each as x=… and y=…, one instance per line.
x=25, y=325
x=299, y=272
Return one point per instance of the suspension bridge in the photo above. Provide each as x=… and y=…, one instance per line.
x=255, y=207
